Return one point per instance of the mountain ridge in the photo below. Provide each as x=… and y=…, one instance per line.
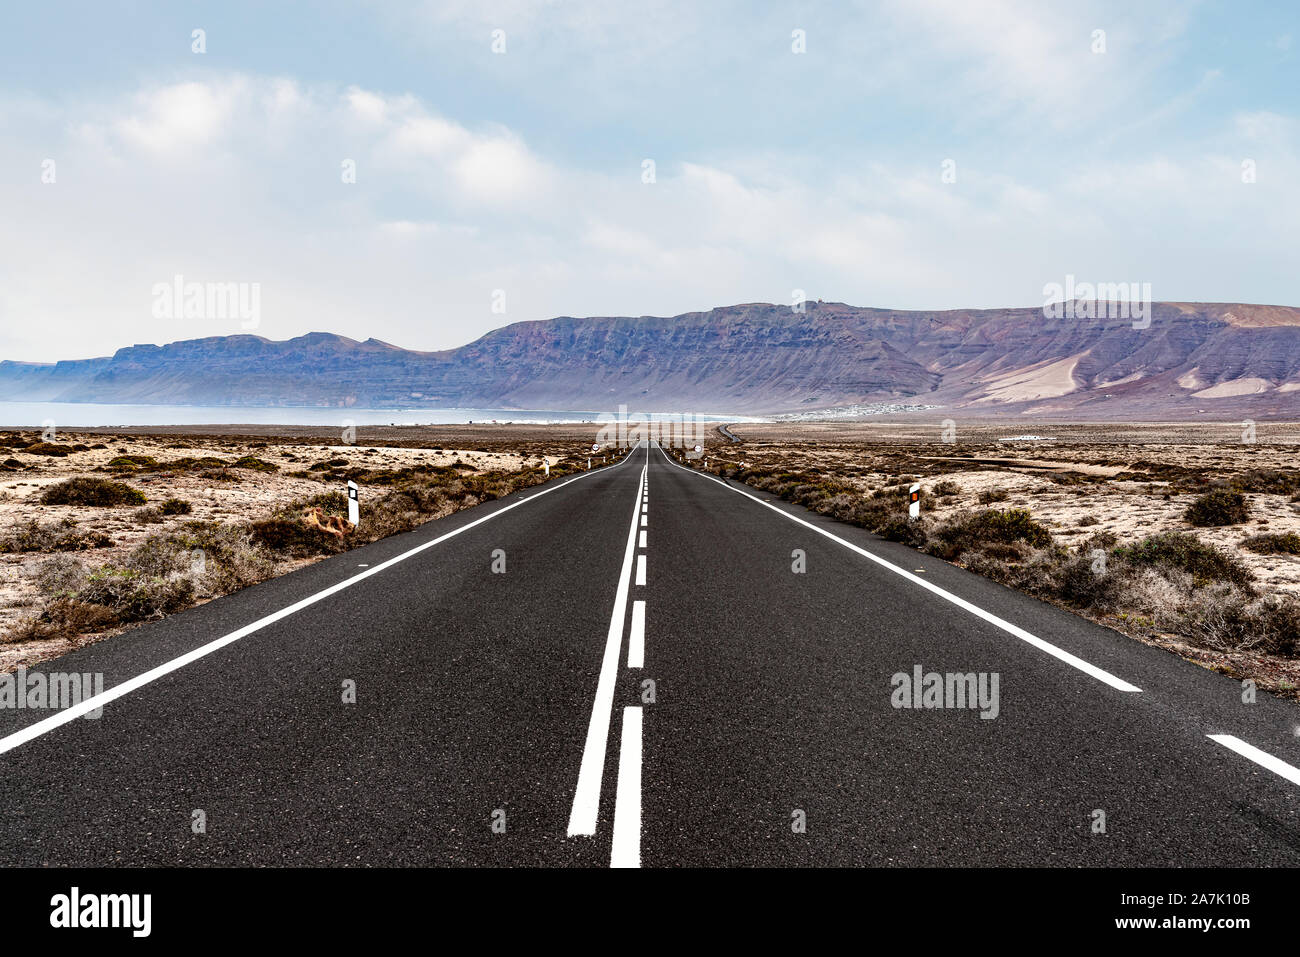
x=1239, y=358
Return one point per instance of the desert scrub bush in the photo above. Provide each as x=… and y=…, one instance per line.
x=980, y=530
x=1270, y=481
x=60, y=575
x=175, y=506
x=61, y=536
x=332, y=503
x=217, y=557
x=48, y=449
x=946, y=487
x=131, y=463
x=1218, y=507
x=63, y=618
x=326, y=465
x=1017, y=565
x=256, y=464
x=900, y=528
x=1228, y=618
x=1287, y=543
x=991, y=495
x=293, y=537
x=1205, y=562
x=188, y=463
x=133, y=596
x=289, y=530
x=97, y=492
x=68, y=617
x=1085, y=580
x=147, y=515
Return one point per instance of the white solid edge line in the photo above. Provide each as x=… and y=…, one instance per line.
x=626, y=851
x=636, y=637
x=586, y=796
x=46, y=725
x=1014, y=630
x=1262, y=758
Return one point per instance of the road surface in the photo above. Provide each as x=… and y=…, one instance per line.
x=670, y=670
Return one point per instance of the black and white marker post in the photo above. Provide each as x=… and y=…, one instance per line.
x=354, y=508
x=914, y=501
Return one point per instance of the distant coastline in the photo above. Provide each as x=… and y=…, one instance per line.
x=93, y=415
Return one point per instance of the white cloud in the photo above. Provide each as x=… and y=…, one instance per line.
x=183, y=116
x=237, y=178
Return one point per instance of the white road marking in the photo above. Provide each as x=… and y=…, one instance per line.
x=640, y=569
x=1014, y=630
x=586, y=797
x=98, y=701
x=643, y=518
x=636, y=638
x=643, y=538
x=1262, y=758
x=627, y=796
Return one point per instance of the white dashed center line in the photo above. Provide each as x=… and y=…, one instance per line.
x=627, y=804
x=586, y=797
x=636, y=639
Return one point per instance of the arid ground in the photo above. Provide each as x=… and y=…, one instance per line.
x=1183, y=535
x=1033, y=505
x=255, y=501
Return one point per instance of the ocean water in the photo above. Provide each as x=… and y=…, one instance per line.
x=85, y=414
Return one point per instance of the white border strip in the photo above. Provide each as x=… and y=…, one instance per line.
x=45, y=725
x=1014, y=630
x=1262, y=758
x=626, y=851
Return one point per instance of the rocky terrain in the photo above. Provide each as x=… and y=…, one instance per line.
x=1193, y=359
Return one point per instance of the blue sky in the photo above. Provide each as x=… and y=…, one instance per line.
x=516, y=177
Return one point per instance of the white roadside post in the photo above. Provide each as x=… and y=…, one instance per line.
x=546, y=460
x=914, y=501
x=354, y=508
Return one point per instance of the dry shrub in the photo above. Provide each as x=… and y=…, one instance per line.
x=60, y=536
x=96, y=492
x=1217, y=508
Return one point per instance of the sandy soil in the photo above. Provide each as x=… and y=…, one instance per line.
x=253, y=494
x=1107, y=455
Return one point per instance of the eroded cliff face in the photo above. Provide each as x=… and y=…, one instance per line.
x=748, y=358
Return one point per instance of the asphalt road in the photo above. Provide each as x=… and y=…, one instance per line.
x=670, y=671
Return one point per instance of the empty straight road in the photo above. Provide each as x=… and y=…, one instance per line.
x=643, y=665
